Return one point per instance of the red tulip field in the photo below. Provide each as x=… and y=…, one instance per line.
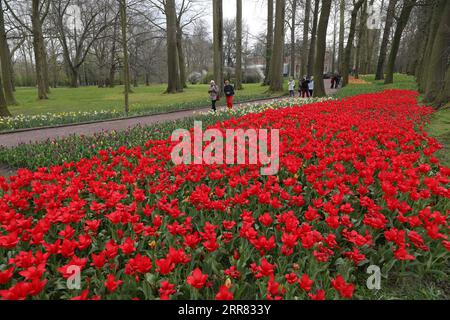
x=358, y=185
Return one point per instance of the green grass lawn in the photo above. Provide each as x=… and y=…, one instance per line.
x=143, y=98
x=401, y=81
x=439, y=128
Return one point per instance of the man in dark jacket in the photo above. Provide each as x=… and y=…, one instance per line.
x=229, y=94
x=305, y=87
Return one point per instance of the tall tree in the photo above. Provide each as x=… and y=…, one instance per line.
x=113, y=54
x=370, y=39
x=174, y=84
x=385, y=40
x=276, y=67
x=83, y=35
x=333, y=61
x=304, y=56
x=218, y=42
x=434, y=20
x=126, y=67
x=39, y=12
x=40, y=54
x=293, y=5
x=319, y=89
x=419, y=43
x=238, y=45
x=361, y=36
x=401, y=24
x=5, y=58
x=4, y=112
x=185, y=16
x=438, y=67
x=351, y=38
x=312, y=46
x=269, y=42
x=180, y=54
x=183, y=20
x=341, y=34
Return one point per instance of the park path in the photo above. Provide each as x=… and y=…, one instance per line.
x=13, y=139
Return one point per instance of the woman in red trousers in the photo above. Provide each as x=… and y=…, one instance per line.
x=229, y=94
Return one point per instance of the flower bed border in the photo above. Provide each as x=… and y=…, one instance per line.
x=125, y=118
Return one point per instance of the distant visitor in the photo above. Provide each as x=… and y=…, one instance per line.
x=213, y=94
x=229, y=94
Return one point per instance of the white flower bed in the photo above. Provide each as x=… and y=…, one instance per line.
x=47, y=119
x=259, y=107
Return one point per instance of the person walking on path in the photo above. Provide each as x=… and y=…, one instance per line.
x=311, y=87
x=213, y=94
x=333, y=81
x=229, y=94
x=305, y=87
x=338, y=80
x=291, y=86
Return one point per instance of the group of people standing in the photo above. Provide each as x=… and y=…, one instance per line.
x=214, y=94
x=335, y=80
x=305, y=87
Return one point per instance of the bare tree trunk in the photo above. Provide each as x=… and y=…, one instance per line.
x=6, y=63
x=312, y=46
x=333, y=59
x=359, y=47
x=54, y=64
x=218, y=42
x=351, y=38
x=181, y=61
x=4, y=112
x=304, y=57
x=11, y=70
x=238, y=44
x=319, y=89
x=74, y=78
x=276, y=68
x=443, y=96
x=135, y=79
x=39, y=51
x=370, y=41
x=421, y=40
x=384, y=42
x=269, y=41
x=126, y=67
x=437, y=66
x=341, y=34
x=174, y=84
x=27, y=70
x=112, y=68
x=294, y=9
x=435, y=17
x=401, y=24
x=377, y=43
